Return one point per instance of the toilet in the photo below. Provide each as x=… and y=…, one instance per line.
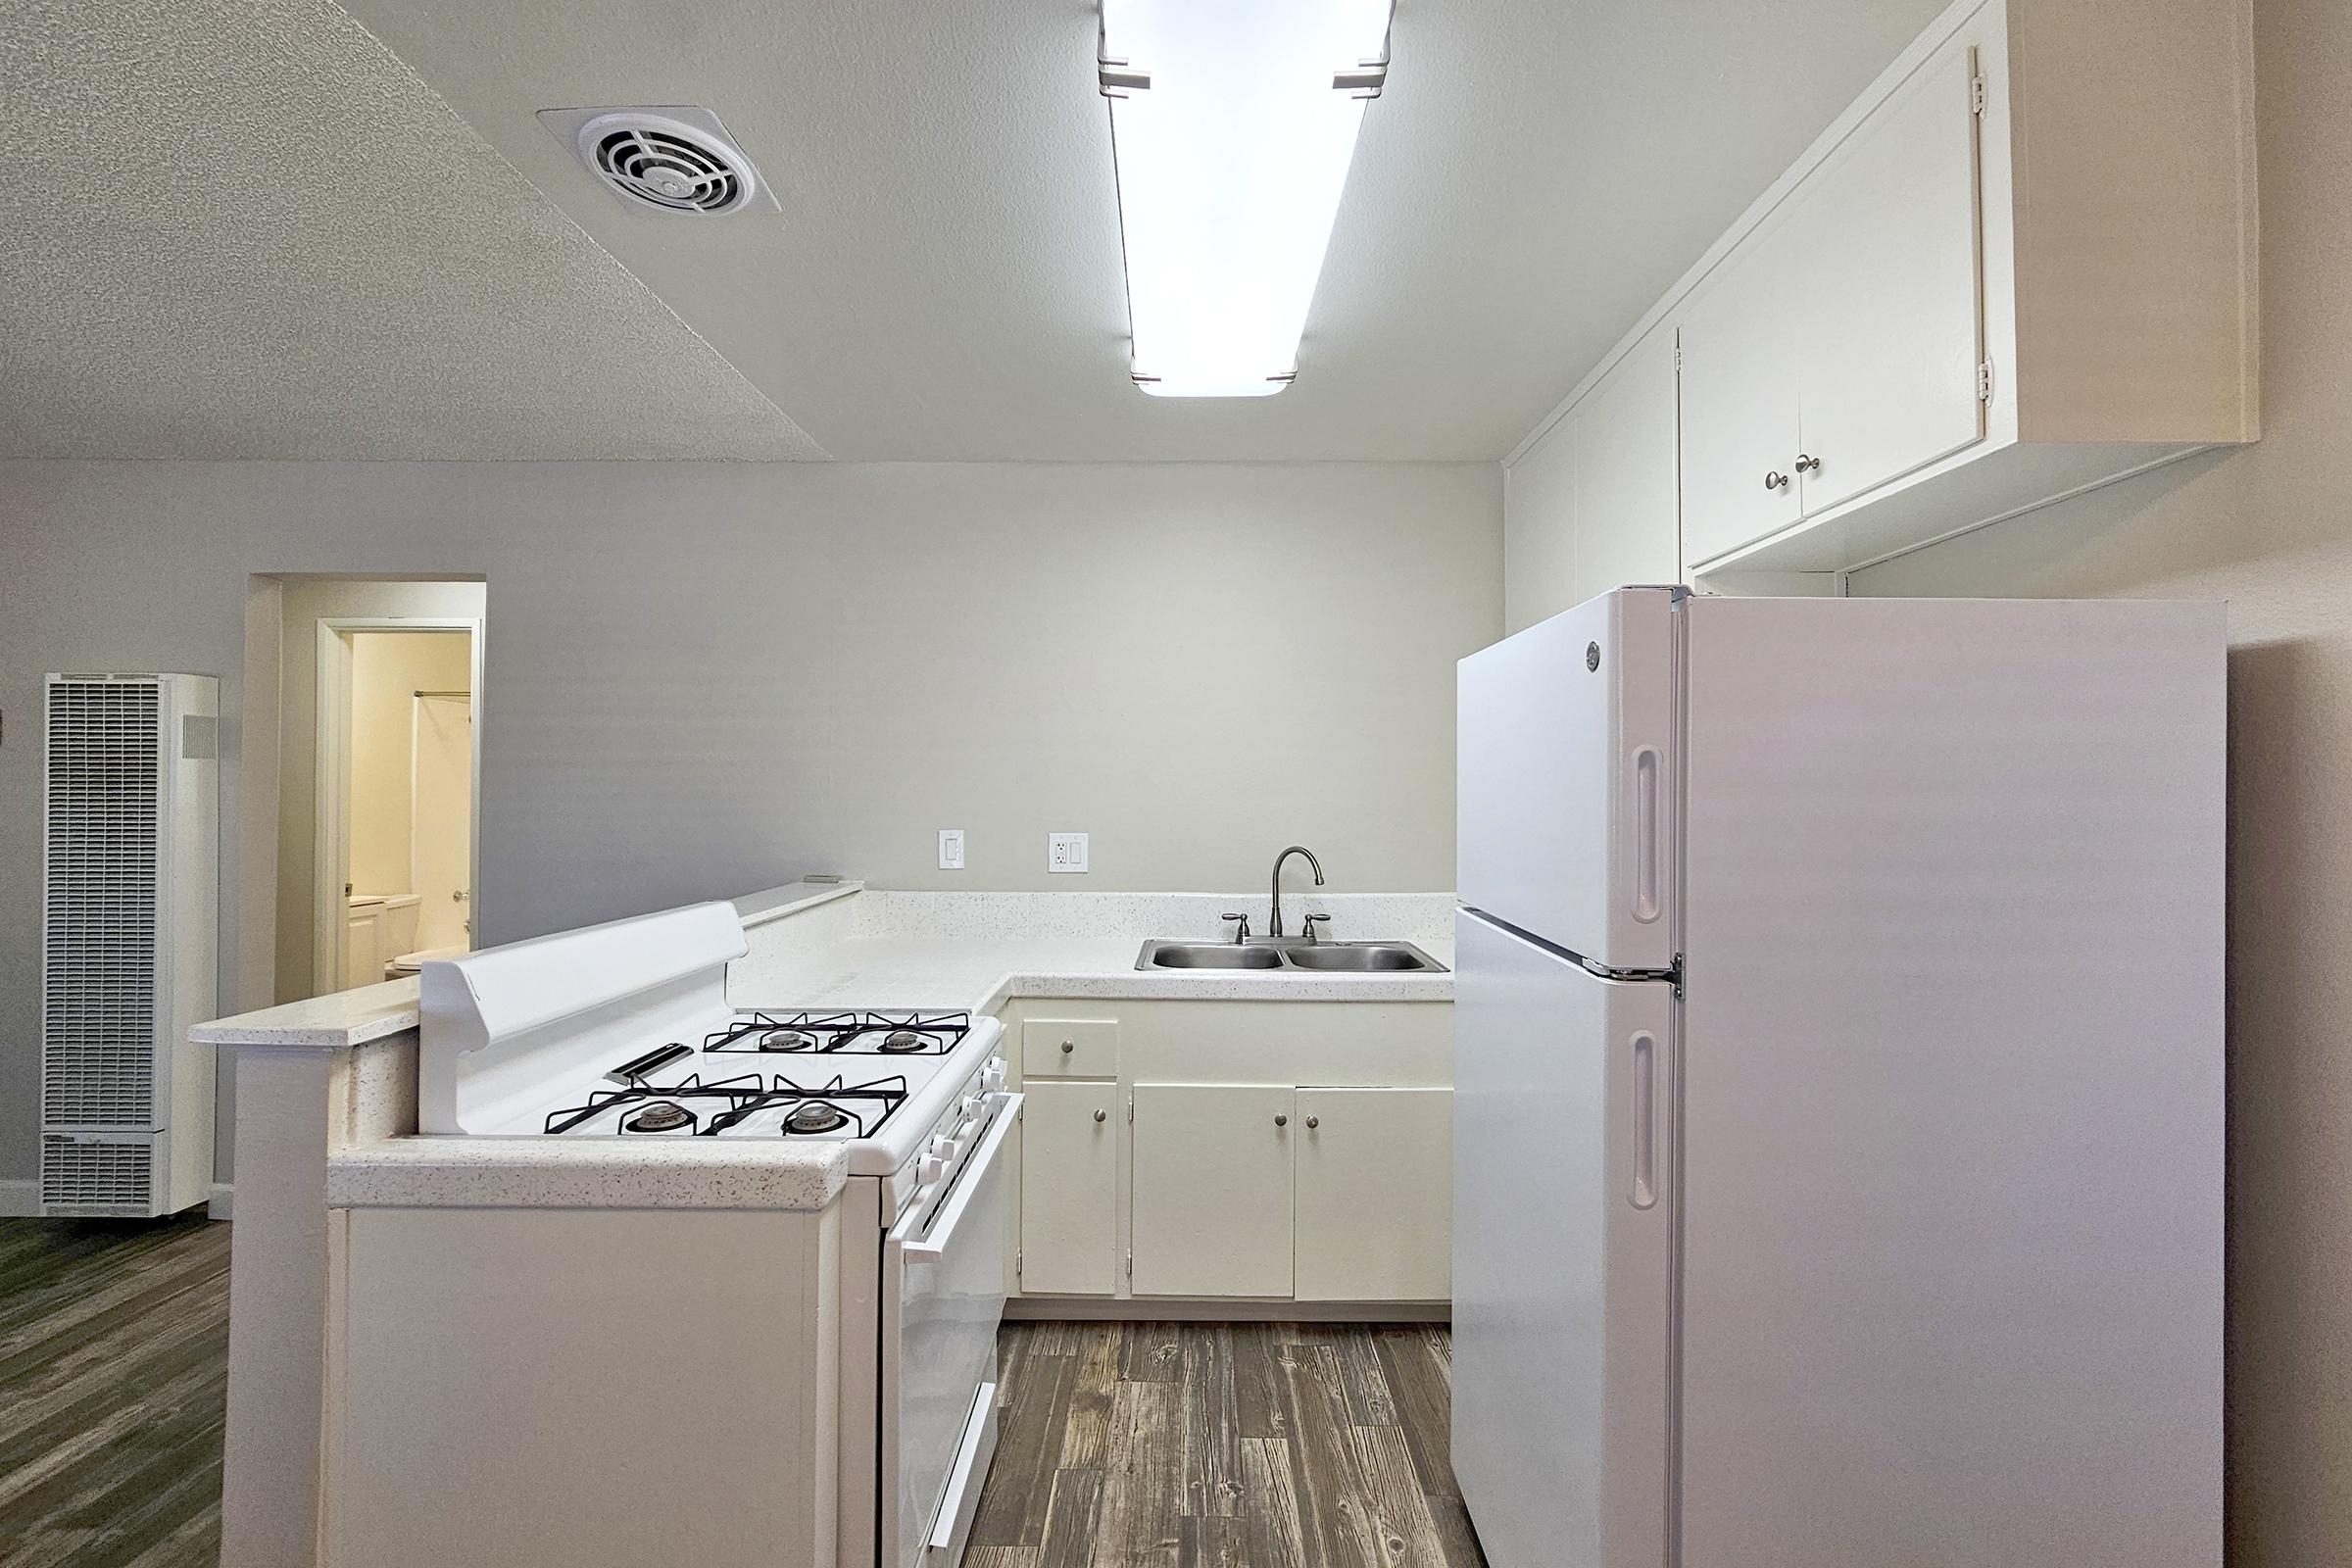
x=398, y=938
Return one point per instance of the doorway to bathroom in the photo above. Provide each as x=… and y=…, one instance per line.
x=397, y=807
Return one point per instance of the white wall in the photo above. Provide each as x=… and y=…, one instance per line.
x=706, y=678
x=2268, y=529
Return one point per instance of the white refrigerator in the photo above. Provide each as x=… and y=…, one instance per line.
x=1839, y=1070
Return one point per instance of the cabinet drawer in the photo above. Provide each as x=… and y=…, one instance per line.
x=1070, y=1048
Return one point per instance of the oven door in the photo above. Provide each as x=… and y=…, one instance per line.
x=942, y=1297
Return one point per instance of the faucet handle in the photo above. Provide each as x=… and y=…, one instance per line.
x=1306, y=927
x=1240, y=931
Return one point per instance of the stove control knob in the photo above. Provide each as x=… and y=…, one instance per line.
x=932, y=1170
x=992, y=1076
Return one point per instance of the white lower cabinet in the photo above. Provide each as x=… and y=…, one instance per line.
x=1241, y=1150
x=1070, y=1188
x=1373, y=1195
x=1211, y=1208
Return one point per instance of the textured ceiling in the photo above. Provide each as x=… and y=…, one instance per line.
x=263, y=235
x=242, y=228
x=944, y=281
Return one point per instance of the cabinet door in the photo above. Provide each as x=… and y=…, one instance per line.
x=1071, y=1189
x=1886, y=231
x=1627, y=518
x=1211, y=1211
x=1374, y=1188
x=1740, y=399
x=1539, y=530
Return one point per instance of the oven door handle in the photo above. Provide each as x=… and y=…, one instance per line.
x=933, y=1246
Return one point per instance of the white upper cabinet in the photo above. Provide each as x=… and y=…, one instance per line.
x=2019, y=267
x=1593, y=506
x=1624, y=489
x=1740, y=427
x=1888, y=335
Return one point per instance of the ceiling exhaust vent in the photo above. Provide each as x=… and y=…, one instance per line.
x=679, y=160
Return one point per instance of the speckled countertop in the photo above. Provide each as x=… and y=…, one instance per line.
x=334, y=1022
x=585, y=1173
x=982, y=974
x=977, y=950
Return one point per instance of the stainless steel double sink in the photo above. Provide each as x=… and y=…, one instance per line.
x=1349, y=958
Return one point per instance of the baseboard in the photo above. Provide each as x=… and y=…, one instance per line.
x=216, y=1201
x=1159, y=1309
x=19, y=1196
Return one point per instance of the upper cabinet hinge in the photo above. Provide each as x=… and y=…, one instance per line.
x=1131, y=1109
x=1985, y=381
x=1976, y=94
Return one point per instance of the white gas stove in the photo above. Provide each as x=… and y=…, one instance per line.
x=623, y=1031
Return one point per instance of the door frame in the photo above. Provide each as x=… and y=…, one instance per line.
x=331, y=794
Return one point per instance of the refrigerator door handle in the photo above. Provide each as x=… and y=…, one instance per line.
x=1645, y=1192
x=1648, y=872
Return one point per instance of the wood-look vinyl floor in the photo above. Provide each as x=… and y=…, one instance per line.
x=1123, y=1446
x=1222, y=1446
x=113, y=1365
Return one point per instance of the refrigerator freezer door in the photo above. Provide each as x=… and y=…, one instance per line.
x=1563, y=1215
x=1569, y=820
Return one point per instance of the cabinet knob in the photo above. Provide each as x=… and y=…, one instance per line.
x=1775, y=480
x=1101, y=1115
x=1068, y=1046
x=1282, y=1120
x=1313, y=1122
x=1806, y=464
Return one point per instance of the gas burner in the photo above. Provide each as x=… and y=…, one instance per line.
x=661, y=1116
x=885, y=1034
x=815, y=1116
x=907, y=1034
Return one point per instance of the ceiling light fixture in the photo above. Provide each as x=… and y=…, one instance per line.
x=1232, y=125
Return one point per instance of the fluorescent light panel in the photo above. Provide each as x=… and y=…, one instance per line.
x=1231, y=163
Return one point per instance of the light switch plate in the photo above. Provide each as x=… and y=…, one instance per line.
x=1065, y=851
x=950, y=848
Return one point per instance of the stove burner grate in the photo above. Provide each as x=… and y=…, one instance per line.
x=889, y=1034
x=646, y=1109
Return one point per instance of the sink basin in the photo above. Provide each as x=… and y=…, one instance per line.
x=1206, y=955
x=1351, y=958
x=1359, y=956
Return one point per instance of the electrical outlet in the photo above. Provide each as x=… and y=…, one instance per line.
x=1065, y=851
x=950, y=848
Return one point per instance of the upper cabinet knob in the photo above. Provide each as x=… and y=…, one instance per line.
x=1806, y=464
x=1775, y=480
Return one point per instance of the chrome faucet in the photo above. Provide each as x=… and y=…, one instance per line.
x=1274, y=919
